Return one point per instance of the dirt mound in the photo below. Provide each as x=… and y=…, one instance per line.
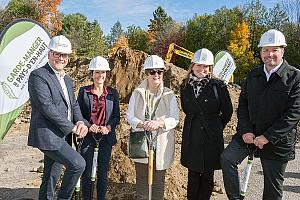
x=126, y=74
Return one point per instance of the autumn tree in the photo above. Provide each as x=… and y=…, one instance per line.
x=43, y=11
x=172, y=33
x=239, y=47
x=48, y=15
x=122, y=42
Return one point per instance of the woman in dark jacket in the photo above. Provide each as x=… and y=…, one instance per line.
x=99, y=105
x=207, y=105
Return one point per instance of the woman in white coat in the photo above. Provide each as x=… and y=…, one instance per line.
x=152, y=98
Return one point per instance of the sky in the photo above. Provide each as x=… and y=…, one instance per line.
x=139, y=12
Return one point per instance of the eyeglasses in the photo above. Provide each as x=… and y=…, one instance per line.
x=58, y=55
x=153, y=72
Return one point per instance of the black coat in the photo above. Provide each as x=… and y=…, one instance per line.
x=202, y=139
x=271, y=109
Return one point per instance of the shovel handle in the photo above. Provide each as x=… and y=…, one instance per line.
x=150, y=167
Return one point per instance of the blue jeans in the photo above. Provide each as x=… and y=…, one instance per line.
x=273, y=171
x=53, y=162
x=104, y=153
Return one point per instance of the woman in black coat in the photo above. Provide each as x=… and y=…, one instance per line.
x=207, y=105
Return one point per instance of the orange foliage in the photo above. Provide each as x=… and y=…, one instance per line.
x=151, y=36
x=48, y=15
x=122, y=42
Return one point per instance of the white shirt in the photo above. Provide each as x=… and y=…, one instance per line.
x=60, y=77
x=268, y=75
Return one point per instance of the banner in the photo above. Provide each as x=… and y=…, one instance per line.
x=23, y=48
x=224, y=66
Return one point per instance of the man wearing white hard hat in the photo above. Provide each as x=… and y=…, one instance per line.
x=56, y=115
x=207, y=106
x=153, y=108
x=99, y=105
x=268, y=113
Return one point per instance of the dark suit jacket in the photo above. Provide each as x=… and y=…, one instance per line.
x=112, y=108
x=49, y=117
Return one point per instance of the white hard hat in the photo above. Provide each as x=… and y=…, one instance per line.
x=60, y=44
x=204, y=57
x=272, y=38
x=154, y=62
x=99, y=63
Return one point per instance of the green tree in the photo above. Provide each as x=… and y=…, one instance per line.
x=239, y=47
x=18, y=9
x=87, y=37
x=276, y=17
x=291, y=31
x=160, y=19
x=115, y=32
x=255, y=13
x=211, y=31
x=137, y=38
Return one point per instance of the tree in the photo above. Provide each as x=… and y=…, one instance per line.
x=211, y=31
x=255, y=14
x=93, y=41
x=137, y=38
x=48, y=15
x=122, y=42
x=18, y=9
x=239, y=47
x=292, y=31
x=43, y=11
x=115, y=32
x=171, y=33
x=86, y=37
x=160, y=18
x=276, y=17
x=158, y=23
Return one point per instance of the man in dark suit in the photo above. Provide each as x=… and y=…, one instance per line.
x=55, y=115
x=268, y=113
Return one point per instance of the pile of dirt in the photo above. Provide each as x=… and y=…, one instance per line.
x=125, y=75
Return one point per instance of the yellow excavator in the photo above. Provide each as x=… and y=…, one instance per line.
x=174, y=48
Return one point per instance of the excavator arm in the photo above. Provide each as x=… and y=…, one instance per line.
x=173, y=48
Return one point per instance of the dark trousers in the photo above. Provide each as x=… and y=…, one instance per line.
x=200, y=185
x=104, y=154
x=51, y=175
x=53, y=162
x=142, y=187
x=273, y=171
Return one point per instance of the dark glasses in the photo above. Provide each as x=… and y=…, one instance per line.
x=58, y=55
x=153, y=72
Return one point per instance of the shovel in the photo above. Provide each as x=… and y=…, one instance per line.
x=150, y=162
x=95, y=166
x=150, y=170
x=76, y=144
x=247, y=172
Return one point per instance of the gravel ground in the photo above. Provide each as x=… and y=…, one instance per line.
x=19, y=179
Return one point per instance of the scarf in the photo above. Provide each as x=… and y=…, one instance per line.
x=198, y=83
